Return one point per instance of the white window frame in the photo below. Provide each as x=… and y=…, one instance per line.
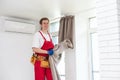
x=91, y=31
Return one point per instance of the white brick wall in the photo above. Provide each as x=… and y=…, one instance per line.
x=108, y=19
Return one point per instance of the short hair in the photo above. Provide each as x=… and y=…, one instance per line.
x=44, y=18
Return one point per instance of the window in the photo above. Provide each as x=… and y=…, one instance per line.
x=54, y=28
x=94, y=49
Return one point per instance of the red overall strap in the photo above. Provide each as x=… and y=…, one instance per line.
x=44, y=37
x=50, y=37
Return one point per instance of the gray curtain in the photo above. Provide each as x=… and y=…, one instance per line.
x=65, y=37
x=66, y=29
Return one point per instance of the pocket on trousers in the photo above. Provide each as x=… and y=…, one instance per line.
x=44, y=64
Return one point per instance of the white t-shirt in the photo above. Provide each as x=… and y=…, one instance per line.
x=38, y=40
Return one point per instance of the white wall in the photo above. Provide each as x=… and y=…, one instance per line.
x=109, y=38
x=15, y=53
x=82, y=44
x=70, y=65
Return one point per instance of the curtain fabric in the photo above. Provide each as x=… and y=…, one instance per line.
x=66, y=29
x=65, y=39
x=56, y=57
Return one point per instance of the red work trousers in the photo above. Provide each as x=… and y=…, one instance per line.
x=41, y=73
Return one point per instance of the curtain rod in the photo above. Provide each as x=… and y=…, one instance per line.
x=57, y=18
x=82, y=11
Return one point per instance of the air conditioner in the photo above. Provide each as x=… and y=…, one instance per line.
x=19, y=27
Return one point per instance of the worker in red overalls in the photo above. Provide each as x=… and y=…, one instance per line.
x=43, y=48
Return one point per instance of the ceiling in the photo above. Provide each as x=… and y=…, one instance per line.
x=35, y=9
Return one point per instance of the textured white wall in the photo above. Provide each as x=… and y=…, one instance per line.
x=109, y=39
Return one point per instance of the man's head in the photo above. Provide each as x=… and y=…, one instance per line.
x=44, y=22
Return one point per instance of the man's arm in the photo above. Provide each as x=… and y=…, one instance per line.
x=38, y=50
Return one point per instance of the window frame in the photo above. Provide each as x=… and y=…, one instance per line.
x=90, y=54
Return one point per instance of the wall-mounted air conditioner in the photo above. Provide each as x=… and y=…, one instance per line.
x=19, y=27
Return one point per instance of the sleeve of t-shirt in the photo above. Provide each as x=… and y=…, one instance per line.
x=36, y=42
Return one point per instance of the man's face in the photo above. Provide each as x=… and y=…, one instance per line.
x=45, y=24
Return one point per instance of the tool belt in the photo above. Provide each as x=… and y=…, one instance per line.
x=43, y=60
